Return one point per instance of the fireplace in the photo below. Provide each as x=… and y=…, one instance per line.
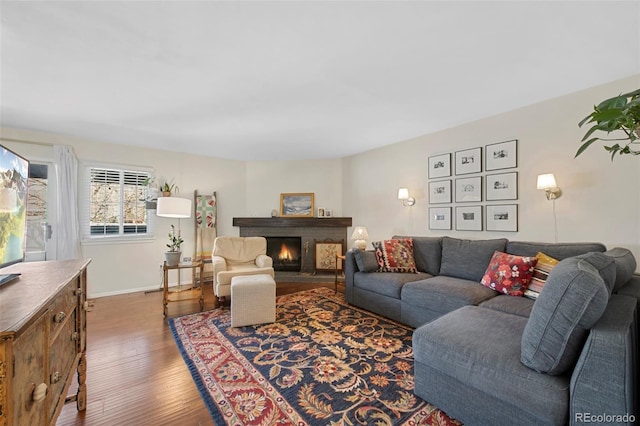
x=307, y=232
x=286, y=253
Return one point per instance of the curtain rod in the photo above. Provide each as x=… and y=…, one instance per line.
x=26, y=141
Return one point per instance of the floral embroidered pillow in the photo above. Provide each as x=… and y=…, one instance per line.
x=395, y=255
x=509, y=274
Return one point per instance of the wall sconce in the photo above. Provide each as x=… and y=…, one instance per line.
x=403, y=195
x=548, y=183
x=360, y=237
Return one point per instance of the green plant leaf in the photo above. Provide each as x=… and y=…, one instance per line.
x=585, y=146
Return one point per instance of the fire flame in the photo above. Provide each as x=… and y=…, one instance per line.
x=284, y=254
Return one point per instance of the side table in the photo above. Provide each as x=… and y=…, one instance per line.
x=195, y=292
x=339, y=267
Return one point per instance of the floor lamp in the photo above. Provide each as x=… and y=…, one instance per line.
x=174, y=207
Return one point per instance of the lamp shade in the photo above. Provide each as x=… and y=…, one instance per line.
x=403, y=194
x=174, y=207
x=546, y=181
x=360, y=233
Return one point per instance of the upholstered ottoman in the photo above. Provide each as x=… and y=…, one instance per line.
x=253, y=300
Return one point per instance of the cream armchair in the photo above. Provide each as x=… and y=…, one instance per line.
x=233, y=256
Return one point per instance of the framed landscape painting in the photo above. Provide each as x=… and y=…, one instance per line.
x=440, y=166
x=502, y=186
x=502, y=218
x=298, y=204
x=503, y=155
x=440, y=192
x=469, y=218
x=469, y=161
x=440, y=218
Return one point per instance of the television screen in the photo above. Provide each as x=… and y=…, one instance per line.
x=14, y=172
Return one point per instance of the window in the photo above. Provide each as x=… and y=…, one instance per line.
x=116, y=203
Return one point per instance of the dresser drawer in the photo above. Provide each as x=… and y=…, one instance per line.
x=65, y=302
x=62, y=354
x=29, y=406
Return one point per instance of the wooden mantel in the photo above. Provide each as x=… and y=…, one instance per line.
x=282, y=222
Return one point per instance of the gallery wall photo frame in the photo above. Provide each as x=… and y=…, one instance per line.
x=468, y=218
x=440, y=218
x=501, y=186
x=469, y=190
x=440, y=192
x=297, y=204
x=468, y=161
x=503, y=155
x=440, y=166
x=502, y=217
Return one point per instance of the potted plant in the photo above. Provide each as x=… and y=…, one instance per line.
x=167, y=189
x=172, y=256
x=620, y=114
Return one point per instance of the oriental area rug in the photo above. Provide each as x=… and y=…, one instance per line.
x=323, y=362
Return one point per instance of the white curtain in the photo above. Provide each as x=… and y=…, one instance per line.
x=68, y=223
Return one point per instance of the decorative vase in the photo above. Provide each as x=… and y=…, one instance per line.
x=172, y=257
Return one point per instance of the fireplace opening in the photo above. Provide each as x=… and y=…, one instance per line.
x=286, y=253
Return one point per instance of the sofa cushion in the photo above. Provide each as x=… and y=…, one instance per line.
x=509, y=274
x=468, y=259
x=625, y=265
x=572, y=300
x=520, y=306
x=540, y=274
x=395, y=255
x=366, y=261
x=427, y=252
x=389, y=285
x=558, y=250
x=480, y=348
x=605, y=266
x=444, y=294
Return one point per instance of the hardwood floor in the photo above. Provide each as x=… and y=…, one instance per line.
x=135, y=374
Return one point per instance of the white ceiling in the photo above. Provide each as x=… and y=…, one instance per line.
x=269, y=80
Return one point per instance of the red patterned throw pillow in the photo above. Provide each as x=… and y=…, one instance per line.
x=395, y=255
x=509, y=274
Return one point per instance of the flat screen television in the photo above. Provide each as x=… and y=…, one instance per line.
x=14, y=172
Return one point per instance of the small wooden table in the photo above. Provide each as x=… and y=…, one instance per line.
x=338, y=258
x=195, y=292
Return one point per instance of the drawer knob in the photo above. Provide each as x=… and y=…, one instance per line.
x=59, y=317
x=55, y=377
x=78, y=292
x=40, y=392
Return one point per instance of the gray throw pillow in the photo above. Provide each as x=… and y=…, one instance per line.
x=468, y=259
x=572, y=300
x=366, y=261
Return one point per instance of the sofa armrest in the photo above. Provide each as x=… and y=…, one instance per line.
x=264, y=261
x=218, y=264
x=604, y=379
x=350, y=269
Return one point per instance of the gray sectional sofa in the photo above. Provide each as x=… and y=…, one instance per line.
x=568, y=357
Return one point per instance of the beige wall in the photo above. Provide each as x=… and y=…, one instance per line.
x=600, y=201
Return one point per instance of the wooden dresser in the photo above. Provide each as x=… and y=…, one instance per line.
x=42, y=340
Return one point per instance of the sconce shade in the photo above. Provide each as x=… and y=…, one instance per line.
x=546, y=181
x=174, y=207
x=407, y=200
x=8, y=200
x=403, y=194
